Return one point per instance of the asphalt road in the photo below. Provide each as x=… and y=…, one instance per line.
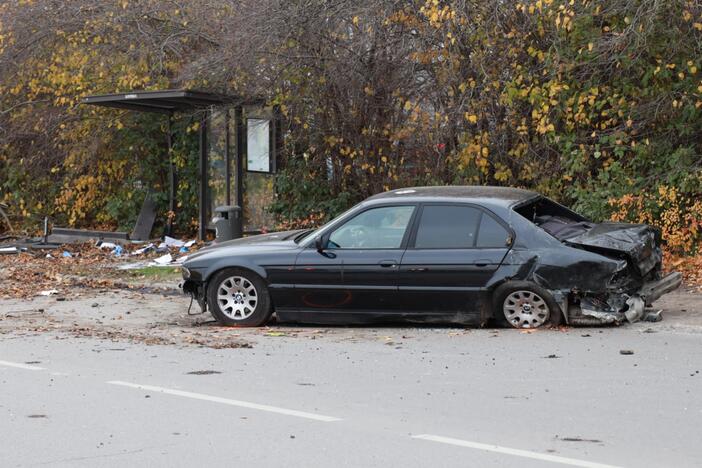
x=421, y=397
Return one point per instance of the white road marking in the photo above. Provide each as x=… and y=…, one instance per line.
x=20, y=365
x=227, y=401
x=511, y=451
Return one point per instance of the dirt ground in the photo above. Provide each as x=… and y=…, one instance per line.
x=91, y=297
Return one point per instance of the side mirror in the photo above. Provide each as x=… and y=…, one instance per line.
x=319, y=244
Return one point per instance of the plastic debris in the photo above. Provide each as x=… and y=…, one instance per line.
x=107, y=245
x=171, y=242
x=8, y=250
x=164, y=260
x=48, y=292
x=66, y=254
x=117, y=252
x=144, y=250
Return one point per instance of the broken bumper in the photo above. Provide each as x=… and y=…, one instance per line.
x=630, y=308
x=653, y=290
x=194, y=289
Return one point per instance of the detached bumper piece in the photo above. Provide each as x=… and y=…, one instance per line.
x=654, y=290
x=618, y=308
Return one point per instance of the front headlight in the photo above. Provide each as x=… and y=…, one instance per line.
x=185, y=272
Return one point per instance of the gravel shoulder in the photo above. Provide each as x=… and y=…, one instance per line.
x=158, y=314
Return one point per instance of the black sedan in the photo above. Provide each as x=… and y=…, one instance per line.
x=464, y=255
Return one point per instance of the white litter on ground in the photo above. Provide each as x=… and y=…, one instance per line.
x=48, y=292
x=164, y=260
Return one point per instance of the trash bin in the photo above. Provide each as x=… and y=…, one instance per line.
x=227, y=223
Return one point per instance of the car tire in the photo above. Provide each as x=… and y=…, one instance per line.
x=521, y=304
x=239, y=298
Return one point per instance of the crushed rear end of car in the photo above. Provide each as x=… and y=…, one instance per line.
x=619, y=283
x=633, y=289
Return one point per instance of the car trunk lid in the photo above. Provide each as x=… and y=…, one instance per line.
x=638, y=242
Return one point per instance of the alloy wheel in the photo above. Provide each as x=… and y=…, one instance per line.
x=525, y=309
x=237, y=297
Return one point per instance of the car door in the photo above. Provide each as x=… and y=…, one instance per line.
x=356, y=271
x=452, y=254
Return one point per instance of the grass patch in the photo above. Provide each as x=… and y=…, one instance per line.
x=156, y=273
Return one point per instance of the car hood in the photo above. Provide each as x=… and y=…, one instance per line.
x=638, y=242
x=283, y=239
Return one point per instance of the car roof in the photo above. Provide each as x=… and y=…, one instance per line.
x=505, y=196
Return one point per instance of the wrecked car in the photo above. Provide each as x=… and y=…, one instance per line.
x=455, y=254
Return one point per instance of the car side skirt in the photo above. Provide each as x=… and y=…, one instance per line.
x=335, y=317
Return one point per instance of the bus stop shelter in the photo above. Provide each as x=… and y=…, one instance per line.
x=238, y=140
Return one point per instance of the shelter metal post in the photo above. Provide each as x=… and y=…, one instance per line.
x=240, y=149
x=227, y=159
x=172, y=182
x=202, y=228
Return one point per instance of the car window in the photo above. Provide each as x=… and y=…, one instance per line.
x=447, y=227
x=491, y=233
x=377, y=228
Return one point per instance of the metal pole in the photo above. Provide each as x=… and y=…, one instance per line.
x=202, y=229
x=240, y=151
x=277, y=138
x=171, y=177
x=227, y=158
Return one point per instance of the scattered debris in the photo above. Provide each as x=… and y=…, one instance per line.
x=9, y=250
x=578, y=439
x=552, y=356
x=164, y=260
x=626, y=352
x=171, y=242
x=653, y=316
x=144, y=250
x=60, y=235
x=203, y=372
x=48, y=292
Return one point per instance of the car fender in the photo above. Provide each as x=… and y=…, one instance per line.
x=242, y=263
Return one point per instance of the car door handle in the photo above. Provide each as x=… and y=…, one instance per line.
x=482, y=262
x=387, y=263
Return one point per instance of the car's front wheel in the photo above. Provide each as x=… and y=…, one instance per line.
x=525, y=305
x=239, y=298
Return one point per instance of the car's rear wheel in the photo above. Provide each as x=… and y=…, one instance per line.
x=239, y=298
x=525, y=305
